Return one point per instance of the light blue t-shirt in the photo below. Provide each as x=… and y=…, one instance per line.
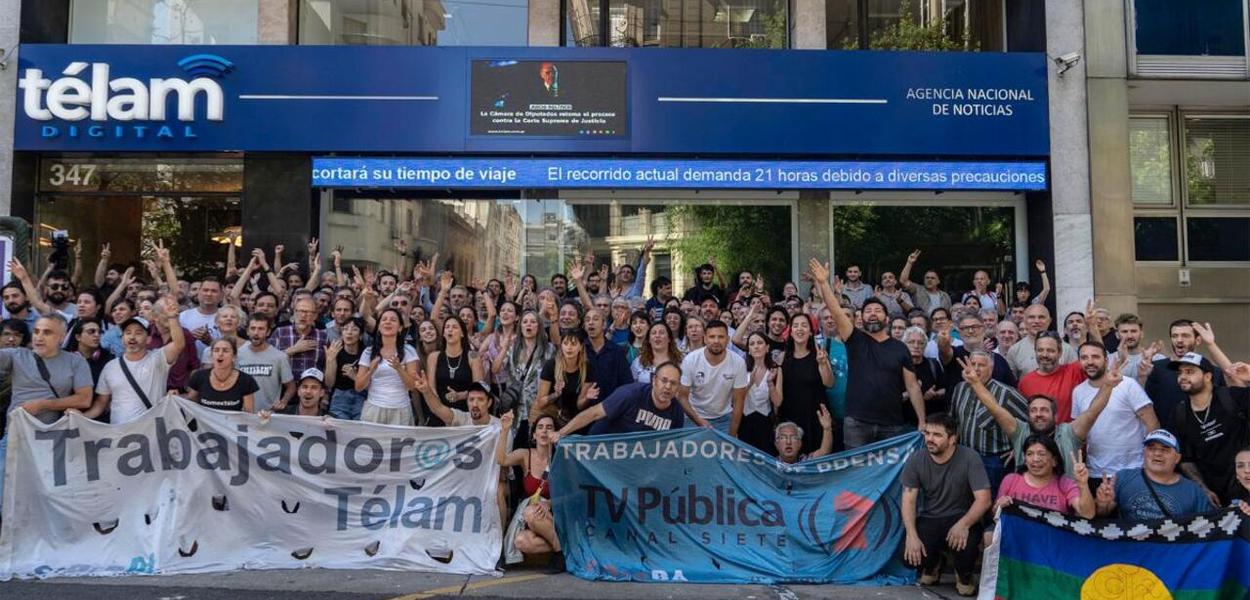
x=836, y=395
x=1136, y=503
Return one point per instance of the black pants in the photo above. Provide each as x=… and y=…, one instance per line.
x=932, y=532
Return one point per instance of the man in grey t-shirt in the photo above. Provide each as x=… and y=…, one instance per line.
x=269, y=366
x=949, y=480
x=46, y=381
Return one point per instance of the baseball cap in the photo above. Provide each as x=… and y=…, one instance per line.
x=480, y=386
x=142, y=322
x=1193, y=359
x=313, y=373
x=1164, y=437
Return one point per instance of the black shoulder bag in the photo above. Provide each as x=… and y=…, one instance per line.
x=1159, y=501
x=46, y=375
x=121, y=361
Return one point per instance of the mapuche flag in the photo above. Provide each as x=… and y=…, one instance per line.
x=1044, y=554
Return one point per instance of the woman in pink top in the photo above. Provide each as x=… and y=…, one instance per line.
x=1042, y=484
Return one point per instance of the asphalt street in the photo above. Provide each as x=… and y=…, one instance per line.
x=322, y=584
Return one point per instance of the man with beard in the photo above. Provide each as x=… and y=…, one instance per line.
x=879, y=370
x=607, y=359
x=136, y=380
x=1021, y=357
x=788, y=438
x=1211, y=425
x=1138, y=364
x=1051, y=378
x=1114, y=442
x=481, y=404
x=1068, y=436
x=269, y=366
x=714, y=382
x=16, y=306
x=855, y=290
x=46, y=380
x=1156, y=490
x=704, y=287
x=1163, y=385
x=951, y=481
x=303, y=343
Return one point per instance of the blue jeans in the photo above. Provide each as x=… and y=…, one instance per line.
x=719, y=423
x=346, y=404
x=995, y=470
x=858, y=433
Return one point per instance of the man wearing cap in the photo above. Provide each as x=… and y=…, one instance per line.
x=133, y=382
x=312, y=394
x=1155, y=491
x=1211, y=426
x=478, y=397
x=1163, y=385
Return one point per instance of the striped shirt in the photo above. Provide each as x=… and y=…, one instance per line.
x=977, y=428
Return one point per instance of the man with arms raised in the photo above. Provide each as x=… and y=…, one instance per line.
x=1163, y=385
x=1114, y=441
x=879, y=371
x=135, y=381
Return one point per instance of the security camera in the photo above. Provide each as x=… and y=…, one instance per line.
x=1066, y=61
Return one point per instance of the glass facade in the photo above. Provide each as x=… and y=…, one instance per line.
x=915, y=25
x=484, y=237
x=1150, y=159
x=414, y=22
x=1196, y=28
x=192, y=206
x=1217, y=152
x=677, y=23
x=163, y=22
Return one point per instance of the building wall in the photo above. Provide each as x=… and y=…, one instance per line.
x=10, y=30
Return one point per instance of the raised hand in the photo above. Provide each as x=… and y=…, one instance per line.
x=106, y=252
x=822, y=415
x=913, y=257
x=819, y=270
x=1205, y=333
x=1238, y=374
x=1106, y=490
x=312, y=246
x=16, y=268
x=1079, y=470
x=577, y=271
x=445, y=281
x=969, y=372
x=1040, y=265
x=505, y=420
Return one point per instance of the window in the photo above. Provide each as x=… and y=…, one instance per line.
x=163, y=22
x=1212, y=223
x=1150, y=159
x=1154, y=239
x=678, y=23
x=414, y=22
x=1195, y=28
x=1217, y=160
x=915, y=24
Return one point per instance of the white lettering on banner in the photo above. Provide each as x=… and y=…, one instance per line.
x=189, y=489
x=725, y=451
x=70, y=98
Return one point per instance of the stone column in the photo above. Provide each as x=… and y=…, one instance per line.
x=807, y=25
x=1069, y=158
x=276, y=22
x=1111, y=190
x=544, y=22
x=10, y=26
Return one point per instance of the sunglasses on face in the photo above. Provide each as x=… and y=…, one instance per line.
x=61, y=287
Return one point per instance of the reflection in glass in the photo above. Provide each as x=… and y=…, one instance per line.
x=1150, y=160
x=1217, y=152
x=483, y=238
x=915, y=24
x=194, y=228
x=1201, y=28
x=1218, y=239
x=414, y=22
x=681, y=23
x=163, y=21
x=956, y=241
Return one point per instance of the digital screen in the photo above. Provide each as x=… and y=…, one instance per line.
x=674, y=174
x=548, y=98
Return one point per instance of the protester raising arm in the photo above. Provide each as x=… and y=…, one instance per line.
x=32, y=289
x=102, y=267
x=820, y=275
x=1041, y=296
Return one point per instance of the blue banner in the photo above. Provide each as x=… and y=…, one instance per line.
x=449, y=100
x=697, y=505
x=674, y=174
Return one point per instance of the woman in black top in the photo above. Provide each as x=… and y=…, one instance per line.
x=341, y=360
x=455, y=367
x=566, y=385
x=222, y=386
x=805, y=374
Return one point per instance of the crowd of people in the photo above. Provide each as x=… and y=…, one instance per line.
x=1089, y=420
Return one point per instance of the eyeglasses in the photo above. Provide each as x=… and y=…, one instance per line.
x=972, y=327
x=61, y=287
x=788, y=437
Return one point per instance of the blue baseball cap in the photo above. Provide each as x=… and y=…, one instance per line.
x=1162, y=436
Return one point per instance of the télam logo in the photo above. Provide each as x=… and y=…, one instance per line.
x=101, y=100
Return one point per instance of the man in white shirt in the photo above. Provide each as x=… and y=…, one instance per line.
x=133, y=382
x=1114, y=441
x=201, y=320
x=714, y=382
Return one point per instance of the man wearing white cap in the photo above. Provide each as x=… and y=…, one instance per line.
x=1155, y=491
x=133, y=382
x=312, y=393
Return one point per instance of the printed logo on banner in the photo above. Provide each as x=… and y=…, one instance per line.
x=124, y=107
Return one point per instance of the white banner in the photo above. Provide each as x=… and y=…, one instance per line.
x=188, y=489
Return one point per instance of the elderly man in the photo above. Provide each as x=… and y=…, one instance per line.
x=789, y=439
x=303, y=343
x=1156, y=490
x=1021, y=357
x=977, y=426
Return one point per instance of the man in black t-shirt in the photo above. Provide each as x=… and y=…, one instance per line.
x=635, y=407
x=1162, y=384
x=704, y=288
x=879, y=369
x=1210, y=425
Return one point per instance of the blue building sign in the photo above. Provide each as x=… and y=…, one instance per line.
x=503, y=173
x=452, y=100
